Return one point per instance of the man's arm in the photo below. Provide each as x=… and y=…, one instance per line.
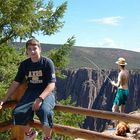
x=10, y=91
x=47, y=90
x=42, y=96
x=117, y=84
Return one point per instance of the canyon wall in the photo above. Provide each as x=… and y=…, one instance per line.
x=91, y=89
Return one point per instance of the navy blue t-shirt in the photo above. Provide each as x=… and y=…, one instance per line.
x=38, y=74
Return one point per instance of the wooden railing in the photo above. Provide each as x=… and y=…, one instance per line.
x=77, y=132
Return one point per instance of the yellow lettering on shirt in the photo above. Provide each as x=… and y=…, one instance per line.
x=34, y=75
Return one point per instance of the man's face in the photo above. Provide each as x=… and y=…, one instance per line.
x=33, y=51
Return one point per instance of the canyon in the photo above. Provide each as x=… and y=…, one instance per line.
x=91, y=89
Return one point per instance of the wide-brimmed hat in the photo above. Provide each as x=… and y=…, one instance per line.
x=121, y=61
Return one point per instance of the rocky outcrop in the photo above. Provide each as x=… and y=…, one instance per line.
x=90, y=88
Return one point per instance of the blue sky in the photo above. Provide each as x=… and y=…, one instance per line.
x=100, y=23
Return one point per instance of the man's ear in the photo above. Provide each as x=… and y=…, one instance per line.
x=26, y=53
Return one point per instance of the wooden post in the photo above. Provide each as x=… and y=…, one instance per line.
x=16, y=131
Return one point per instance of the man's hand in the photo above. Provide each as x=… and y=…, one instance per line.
x=112, y=83
x=36, y=105
x=2, y=102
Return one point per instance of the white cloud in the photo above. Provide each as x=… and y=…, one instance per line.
x=135, y=49
x=108, y=20
x=108, y=42
x=104, y=43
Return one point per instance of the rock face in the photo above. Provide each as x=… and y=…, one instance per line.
x=90, y=88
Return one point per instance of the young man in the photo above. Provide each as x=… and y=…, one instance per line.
x=122, y=84
x=38, y=98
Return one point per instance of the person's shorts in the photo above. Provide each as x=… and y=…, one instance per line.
x=23, y=113
x=121, y=97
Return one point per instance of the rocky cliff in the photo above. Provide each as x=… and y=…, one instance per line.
x=90, y=88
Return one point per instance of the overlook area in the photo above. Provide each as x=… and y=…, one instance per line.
x=84, y=39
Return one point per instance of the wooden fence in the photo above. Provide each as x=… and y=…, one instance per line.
x=77, y=132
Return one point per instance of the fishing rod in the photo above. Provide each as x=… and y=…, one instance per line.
x=98, y=68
